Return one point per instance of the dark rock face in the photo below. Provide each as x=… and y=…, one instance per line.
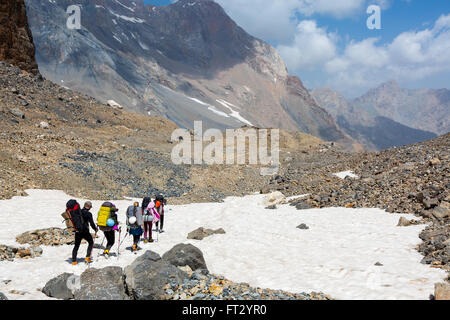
x=57, y=287
x=167, y=60
x=16, y=40
x=3, y=297
x=147, y=277
x=186, y=255
x=102, y=284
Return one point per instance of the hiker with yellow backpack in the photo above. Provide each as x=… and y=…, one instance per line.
x=108, y=223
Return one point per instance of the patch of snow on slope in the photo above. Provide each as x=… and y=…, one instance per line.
x=130, y=19
x=210, y=108
x=234, y=113
x=336, y=255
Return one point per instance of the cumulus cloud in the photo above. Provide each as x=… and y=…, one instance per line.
x=410, y=56
x=311, y=47
x=276, y=20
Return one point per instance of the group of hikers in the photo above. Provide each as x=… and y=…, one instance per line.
x=139, y=221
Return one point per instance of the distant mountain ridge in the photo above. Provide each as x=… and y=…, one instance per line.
x=374, y=131
x=424, y=109
x=186, y=61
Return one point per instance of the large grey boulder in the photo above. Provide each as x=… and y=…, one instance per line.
x=186, y=255
x=102, y=284
x=148, y=277
x=3, y=297
x=59, y=287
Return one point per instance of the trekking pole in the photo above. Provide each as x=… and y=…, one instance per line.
x=118, y=249
x=98, y=255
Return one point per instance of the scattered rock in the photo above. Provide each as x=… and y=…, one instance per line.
x=378, y=264
x=3, y=297
x=303, y=227
x=57, y=287
x=442, y=291
x=47, y=237
x=403, y=222
x=186, y=255
x=148, y=277
x=102, y=284
x=274, y=198
x=18, y=113
x=201, y=233
x=44, y=125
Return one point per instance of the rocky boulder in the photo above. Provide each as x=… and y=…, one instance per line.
x=10, y=253
x=403, y=222
x=102, y=284
x=273, y=198
x=3, y=297
x=59, y=287
x=149, y=276
x=303, y=227
x=442, y=291
x=186, y=255
x=47, y=237
x=201, y=233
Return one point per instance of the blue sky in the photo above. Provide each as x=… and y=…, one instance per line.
x=327, y=42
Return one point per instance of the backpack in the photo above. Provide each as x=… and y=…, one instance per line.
x=72, y=216
x=145, y=203
x=106, y=213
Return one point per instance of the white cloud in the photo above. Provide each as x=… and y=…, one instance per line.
x=311, y=47
x=276, y=20
x=410, y=56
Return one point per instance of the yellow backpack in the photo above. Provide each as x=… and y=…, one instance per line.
x=104, y=214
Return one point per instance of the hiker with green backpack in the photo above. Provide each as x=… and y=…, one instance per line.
x=107, y=222
x=135, y=222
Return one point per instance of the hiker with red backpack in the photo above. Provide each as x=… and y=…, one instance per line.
x=80, y=219
x=135, y=222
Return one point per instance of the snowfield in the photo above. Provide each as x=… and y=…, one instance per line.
x=336, y=255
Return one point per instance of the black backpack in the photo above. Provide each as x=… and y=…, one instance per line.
x=160, y=198
x=145, y=202
x=75, y=216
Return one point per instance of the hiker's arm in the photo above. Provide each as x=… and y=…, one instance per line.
x=91, y=222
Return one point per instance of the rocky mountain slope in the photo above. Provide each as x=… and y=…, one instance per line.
x=424, y=109
x=16, y=40
x=186, y=61
x=373, y=130
x=55, y=138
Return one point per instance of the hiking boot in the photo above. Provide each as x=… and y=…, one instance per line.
x=74, y=263
x=134, y=248
x=151, y=240
x=106, y=252
x=88, y=260
x=145, y=241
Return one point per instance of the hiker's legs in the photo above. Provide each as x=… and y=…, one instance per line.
x=110, y=238
x=136, y=239
x=88, y=237
x=148, y=227
x=78, y=238
x=162, y=221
